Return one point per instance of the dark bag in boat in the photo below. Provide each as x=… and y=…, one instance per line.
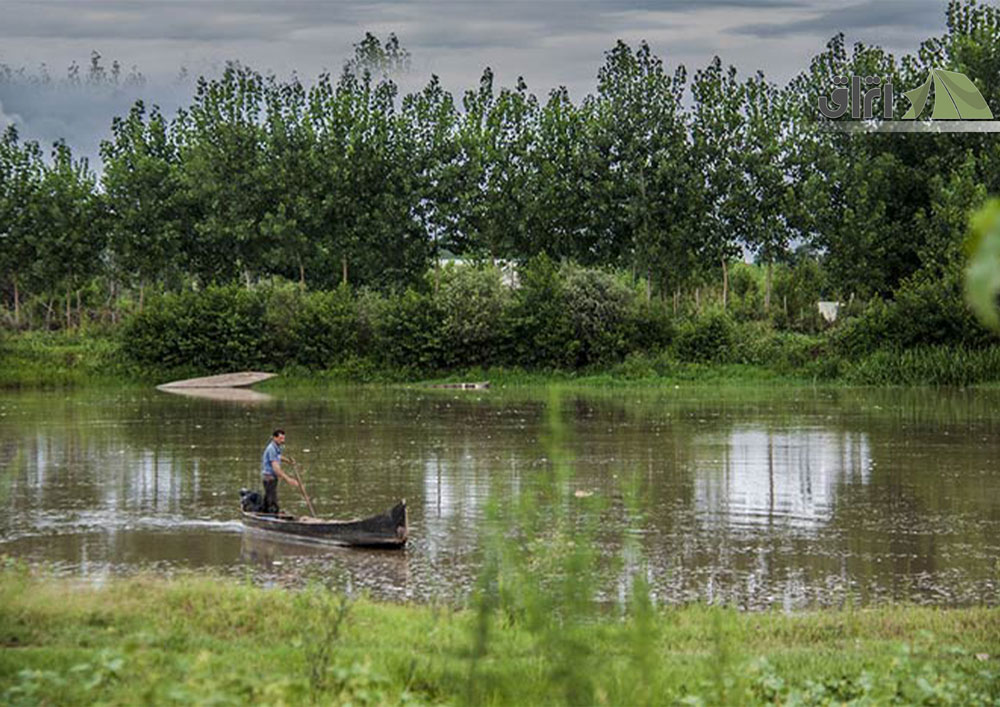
x=251, y=501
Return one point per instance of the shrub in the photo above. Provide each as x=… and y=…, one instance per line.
x=537, y=320
x=931, y=310
x=408, y=334
x=218, y=329
x=325, y=329
x=651, y=326
x=858, y=336
x=928, y=310
x=709, y=337
x=598, y=304
x=472, y=302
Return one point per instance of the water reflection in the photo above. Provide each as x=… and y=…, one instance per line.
x=759, y=476
x=789, y=498
x=225, y=395
x=381, y=572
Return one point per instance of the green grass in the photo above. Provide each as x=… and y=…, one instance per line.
x=77, y=358
x=58, y=358
x=685, y=373
x=206, y=640
x=930, y=365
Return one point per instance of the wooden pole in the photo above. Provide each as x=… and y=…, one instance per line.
x=725, y=284
x=17, y=305
x=302, y=488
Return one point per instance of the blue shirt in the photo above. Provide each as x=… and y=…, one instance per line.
x=271, y=453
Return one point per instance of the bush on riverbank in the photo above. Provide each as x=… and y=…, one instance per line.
x=209, y=639
x=567, y=319
x=926, y=312
x=559, y=319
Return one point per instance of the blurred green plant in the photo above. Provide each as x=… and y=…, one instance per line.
x=982, y=275
x=541, y=574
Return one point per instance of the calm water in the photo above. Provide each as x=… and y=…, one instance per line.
x=786, y=497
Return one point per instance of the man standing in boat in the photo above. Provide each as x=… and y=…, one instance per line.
x=271, y=471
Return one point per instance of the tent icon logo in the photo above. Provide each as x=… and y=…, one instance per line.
x=955, y=98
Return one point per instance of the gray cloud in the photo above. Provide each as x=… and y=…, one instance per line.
x=225, y=20
x=915, y=18
x=6, y=119
x=80, y=115
x=230, y=27
x=549, y=43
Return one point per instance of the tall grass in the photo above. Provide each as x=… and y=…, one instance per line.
x=43, y=358
x=541, y=574
x=930, y=365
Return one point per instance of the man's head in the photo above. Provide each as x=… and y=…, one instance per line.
x=279, y=436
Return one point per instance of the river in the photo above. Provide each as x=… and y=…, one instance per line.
x=758, y=497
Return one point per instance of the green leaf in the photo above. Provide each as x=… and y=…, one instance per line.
x=918, y=97
x=982, y=276
x=965, y=99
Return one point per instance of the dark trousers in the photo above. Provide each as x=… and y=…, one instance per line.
x=270, y=496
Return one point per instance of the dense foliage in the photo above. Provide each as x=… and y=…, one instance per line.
x=657, y=183
x=557, y=318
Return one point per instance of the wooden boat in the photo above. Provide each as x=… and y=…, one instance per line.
x=386, y=530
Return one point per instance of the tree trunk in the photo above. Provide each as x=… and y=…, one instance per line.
x=67, y=309
x=649, y=285
x=142, y=294
x=767, y=288
x=17, y=305
x=79, y=311
x=697, y=299
x=302, y=274
x=677, y=296
x=437, y=265
x=48, y=313
x=725, y=283
x=111, y=301
x=343, y=269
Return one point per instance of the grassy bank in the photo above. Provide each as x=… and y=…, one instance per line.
x=96, y=357
x=214, y=641
x=57, y=358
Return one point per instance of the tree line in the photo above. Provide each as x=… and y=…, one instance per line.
x=662, y=175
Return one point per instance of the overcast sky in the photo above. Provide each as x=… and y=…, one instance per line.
x=549, y=42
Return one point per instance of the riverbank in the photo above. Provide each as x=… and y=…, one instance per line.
x=213, y=640
x=96, y=357
x=58, y=359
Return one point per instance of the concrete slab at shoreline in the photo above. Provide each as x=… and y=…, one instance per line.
x=241, y=379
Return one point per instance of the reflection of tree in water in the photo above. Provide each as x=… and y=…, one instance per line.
x=759, y=476
x=746, y=494
x=75, y=472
